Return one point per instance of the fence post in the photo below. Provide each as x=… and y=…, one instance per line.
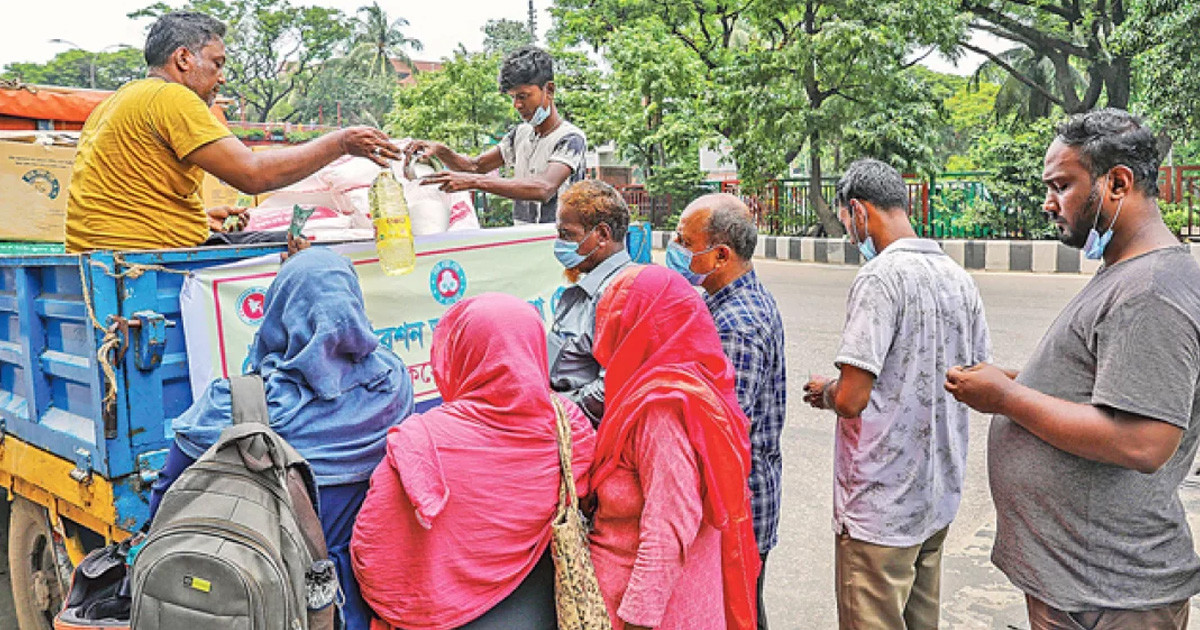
x=930, y=187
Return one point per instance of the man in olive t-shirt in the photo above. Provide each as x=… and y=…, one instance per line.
x=143, y=151
x=1092, y=439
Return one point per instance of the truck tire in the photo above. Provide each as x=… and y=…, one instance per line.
x=36, y=594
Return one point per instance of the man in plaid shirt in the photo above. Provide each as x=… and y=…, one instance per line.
x=713, y=245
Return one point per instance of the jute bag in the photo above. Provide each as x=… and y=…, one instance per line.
x=576, y=591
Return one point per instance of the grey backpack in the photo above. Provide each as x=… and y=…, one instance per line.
x=236, y=542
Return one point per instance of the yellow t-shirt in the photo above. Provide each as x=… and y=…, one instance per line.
x=129, y=187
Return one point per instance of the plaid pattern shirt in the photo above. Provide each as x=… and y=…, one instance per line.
x=752, y=336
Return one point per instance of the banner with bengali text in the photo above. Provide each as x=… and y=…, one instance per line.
x=222, y=306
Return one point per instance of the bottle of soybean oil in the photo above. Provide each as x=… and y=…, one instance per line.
x=393, y=227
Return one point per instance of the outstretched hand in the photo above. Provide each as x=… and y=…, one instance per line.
x=370, y=143
x=450, y=181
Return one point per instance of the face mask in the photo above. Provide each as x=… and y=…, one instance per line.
x=865, y=247
x=1096, y=243
x=679, y=258
x=567, y=252
x=540, y=116
x=543, y=112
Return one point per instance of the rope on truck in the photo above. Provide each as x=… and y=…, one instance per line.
x=112, y=340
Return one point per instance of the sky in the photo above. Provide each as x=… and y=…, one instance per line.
x=441, y=25
x=96, y=24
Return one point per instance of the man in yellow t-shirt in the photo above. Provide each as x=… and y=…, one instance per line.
x=143, y=151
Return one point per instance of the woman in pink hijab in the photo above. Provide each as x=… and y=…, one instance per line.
x=455, y=530
x=673, y=542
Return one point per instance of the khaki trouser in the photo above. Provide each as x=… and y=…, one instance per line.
x=1044, y=617
x=888, y=588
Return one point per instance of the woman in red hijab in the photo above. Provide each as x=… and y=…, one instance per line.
x=455, y=529
x=673, y=542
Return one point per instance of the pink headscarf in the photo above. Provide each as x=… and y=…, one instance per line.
x=459, y=510
x=660, y=349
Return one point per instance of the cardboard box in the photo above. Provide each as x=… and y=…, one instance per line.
x=215, y=193
x=35, y=170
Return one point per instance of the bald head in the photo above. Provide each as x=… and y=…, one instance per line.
x=726, y=221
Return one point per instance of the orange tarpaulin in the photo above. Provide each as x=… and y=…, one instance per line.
x=22, y=106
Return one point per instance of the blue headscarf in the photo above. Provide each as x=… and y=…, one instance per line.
x=332, y=389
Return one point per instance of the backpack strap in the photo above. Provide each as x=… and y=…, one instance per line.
x=249, y=399
x=249, y=402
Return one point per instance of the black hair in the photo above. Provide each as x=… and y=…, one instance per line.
x=186, y=29
x=529, y=65
x=1113, y=137
x=875, y=182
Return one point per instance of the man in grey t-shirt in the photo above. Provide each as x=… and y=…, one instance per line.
x=547, y=153
x=1091, y=440
x=901, y=440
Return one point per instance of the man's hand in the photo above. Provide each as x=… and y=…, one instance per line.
x=814, y=391
x=370, y=143
x=296, y=244
x=418, y=149
x=982, y=387
x=451, y=181
x=217, y=219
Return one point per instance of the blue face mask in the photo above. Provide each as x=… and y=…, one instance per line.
x=679, y=258
x=540, y=116
x=865, y=247
x=1096, y=243
x=567, y=252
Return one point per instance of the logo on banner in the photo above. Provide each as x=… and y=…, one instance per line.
x=447, y=282
x=251, y=305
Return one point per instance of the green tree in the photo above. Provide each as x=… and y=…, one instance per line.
x=1011, y=152
x=1165, y=33
x=503, y=36
x=379, y=40
x=650, y=108
x=73, y=68
x=459, y=105
x=362, y=98
x=780, y=77
x=1072, y=56
x=274, y=49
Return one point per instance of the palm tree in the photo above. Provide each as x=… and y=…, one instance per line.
x=1028, y=83
x=378, y=40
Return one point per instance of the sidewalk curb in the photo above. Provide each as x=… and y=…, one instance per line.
x=984, y=255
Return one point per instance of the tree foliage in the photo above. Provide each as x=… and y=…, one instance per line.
x=777, y=78
x=274, y=49
x=460, y=105
x=503, y=36
x=1167, y=35
x=1071, y=53
x=73, y=68
x=345, y=87
x=379, y=39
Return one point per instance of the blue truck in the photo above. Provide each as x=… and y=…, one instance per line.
x=92, y=362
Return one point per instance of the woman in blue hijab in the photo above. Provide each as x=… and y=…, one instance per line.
x=332, y=393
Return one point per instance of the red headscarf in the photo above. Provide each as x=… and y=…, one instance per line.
x=459, y=510
x=659, y=347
